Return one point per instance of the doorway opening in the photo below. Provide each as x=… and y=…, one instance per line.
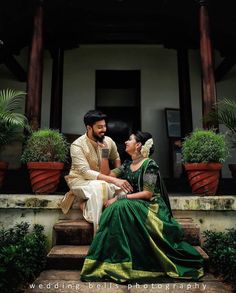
x=118, y=96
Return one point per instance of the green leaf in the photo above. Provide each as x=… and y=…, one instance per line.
x=11, y=121
x=205, y=146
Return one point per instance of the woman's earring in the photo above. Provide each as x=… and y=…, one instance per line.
x=138, y=148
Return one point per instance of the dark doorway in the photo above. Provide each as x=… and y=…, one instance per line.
x=118, y=96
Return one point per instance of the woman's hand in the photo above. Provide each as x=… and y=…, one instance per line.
x=123, y=184
x=110, y=201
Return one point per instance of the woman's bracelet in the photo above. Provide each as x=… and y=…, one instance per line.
x=121, y=196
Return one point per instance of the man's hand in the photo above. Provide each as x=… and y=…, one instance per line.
x=123, y=184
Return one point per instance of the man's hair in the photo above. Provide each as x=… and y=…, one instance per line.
x=92, y=116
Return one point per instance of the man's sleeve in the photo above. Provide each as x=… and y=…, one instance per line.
x=80, y=163
x=114, y=155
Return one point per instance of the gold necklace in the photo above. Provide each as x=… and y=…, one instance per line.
x=137, y=160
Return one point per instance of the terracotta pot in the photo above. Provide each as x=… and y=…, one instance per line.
x=232, y=168
x=44, y=176
x=203, y=177
x=3, y=170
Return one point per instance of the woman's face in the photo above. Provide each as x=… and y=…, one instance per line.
x=132, y=145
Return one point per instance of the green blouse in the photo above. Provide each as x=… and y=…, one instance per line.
x=145, y=178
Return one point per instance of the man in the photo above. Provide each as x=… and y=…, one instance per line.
x=89, y=154
x=88, y=150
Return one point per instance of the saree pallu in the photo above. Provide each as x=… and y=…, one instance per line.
x=138, y=240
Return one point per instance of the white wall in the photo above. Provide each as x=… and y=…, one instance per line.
x=159, y=86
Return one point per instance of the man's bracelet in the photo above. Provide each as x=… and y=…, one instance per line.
x=121, y=196
x=105, y=153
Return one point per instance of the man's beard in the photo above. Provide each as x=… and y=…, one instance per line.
x=98, y=138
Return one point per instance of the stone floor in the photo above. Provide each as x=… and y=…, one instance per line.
x=56, y=281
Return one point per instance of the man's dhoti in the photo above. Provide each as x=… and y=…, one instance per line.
x=94, y=193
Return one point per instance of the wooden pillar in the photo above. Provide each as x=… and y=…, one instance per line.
x=57, y=88
x=34, y=84
x=184, y=93
x=208, y=80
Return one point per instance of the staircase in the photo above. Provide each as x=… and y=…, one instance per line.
x=71, y=240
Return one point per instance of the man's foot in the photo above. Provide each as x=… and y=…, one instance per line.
x=82, y=205
x=67, y=202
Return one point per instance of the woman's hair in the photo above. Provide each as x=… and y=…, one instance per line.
x=92, y=116
x=143, y=137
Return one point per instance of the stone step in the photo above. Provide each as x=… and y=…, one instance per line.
x=80, y=232
x=67, y=256
x=191, y=230
x=72, y=232
x=72, y=257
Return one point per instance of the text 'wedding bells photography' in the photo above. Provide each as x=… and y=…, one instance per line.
x=75, y=286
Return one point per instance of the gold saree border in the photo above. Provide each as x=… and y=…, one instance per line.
x=123, y=272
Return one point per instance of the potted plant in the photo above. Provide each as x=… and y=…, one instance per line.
x=203, y=153
x=225, y=112
x=45, y=153
x=11, y=121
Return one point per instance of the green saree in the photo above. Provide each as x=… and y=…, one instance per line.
x=139, y=240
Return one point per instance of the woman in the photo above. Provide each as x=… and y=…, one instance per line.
x=137, y=239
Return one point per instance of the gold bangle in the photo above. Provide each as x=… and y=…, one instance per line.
x=121, y=196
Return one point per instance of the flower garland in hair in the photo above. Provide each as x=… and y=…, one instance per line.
x=145, y=149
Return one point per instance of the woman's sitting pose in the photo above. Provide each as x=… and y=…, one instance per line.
x=138, y=239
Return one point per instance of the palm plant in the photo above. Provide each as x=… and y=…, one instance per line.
x=10, y=119
x=225, y=112
x=227, y=116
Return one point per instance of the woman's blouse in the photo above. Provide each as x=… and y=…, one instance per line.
x=145, y=178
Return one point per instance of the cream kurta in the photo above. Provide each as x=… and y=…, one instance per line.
x=86, y=160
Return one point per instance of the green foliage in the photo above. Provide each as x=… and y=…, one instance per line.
x=226, y=114
x=204, y=146
x=22, y=255
x=46, y=145
x=11, y=121
x=221, y=248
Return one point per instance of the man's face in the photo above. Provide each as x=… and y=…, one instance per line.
x=97, y=131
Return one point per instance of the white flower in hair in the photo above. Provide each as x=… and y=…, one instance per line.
x=145, y=149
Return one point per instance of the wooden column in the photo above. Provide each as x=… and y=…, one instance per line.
x=34, y=85
x=184, y=93
x=208, y=80
x=57, y=88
